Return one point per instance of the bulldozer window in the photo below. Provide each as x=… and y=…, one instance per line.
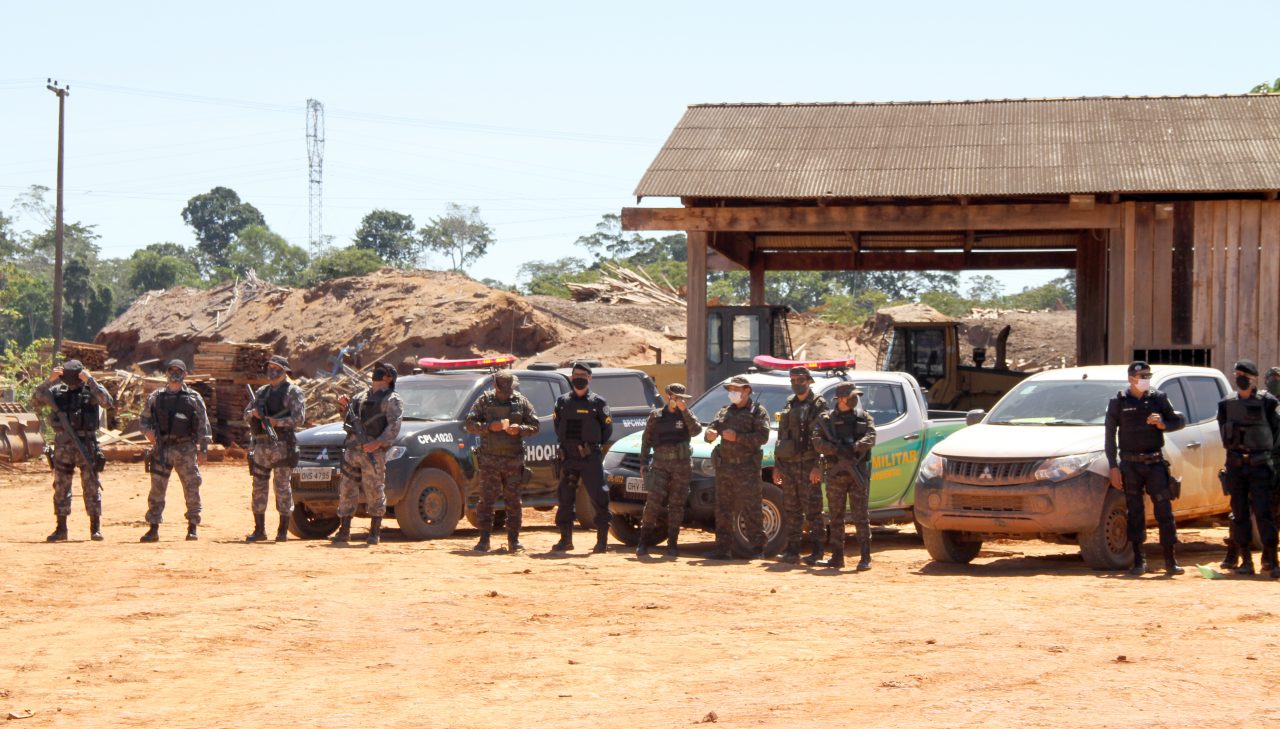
x=715, y=339
x=746, y=337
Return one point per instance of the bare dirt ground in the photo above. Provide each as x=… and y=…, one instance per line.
x=220, y=633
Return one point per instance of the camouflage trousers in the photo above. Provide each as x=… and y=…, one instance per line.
x=180, y=458
x=668, y=485
x=500, y=477
x=65, y=459
x=738, y=494
x=262, y=466
x=359, y=476
x=801, y=498
x=842, y=487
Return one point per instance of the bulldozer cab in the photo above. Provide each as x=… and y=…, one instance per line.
x=736, y=334
x=931, y=352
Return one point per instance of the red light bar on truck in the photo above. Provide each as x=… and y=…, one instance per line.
x=434, y=363
x=776, y=363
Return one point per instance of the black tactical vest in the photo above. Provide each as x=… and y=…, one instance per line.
x=1251, y=431
x=80, y=407
x=175, y=415
x=848, y=428
x=375, y=421
x=670, y=429
x=275, y=405
x=1134, y=435
x=579, y=422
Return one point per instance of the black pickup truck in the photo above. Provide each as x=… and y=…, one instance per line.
x=431, y=470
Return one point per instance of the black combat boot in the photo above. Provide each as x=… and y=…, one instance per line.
x=1246, y=563
x=259, y=529
x=59, y=532
x=1232, y=560
x=1171, y=567
x=513, y=543
x=1139, y=567
x=864, y=563
x=566, y=540
x=816, y=555
x=836, y=560
x=375, y=531
x=673, y=543
x=720, y=553
x=152, y=535
x=757, y=553
x=602, y=541
x=344, y=531
x=1269, y=560
x=95, y=528
x=792, y=553
x=642, y=546
x=191, y=531
x=282, y=531
x=483, y=544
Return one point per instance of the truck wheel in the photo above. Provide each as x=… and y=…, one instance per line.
x=305, y=524
x=772, y=517
x=626, y=529
x=584, y=510
x=499, y=519
x=431, y=507
x=946, y=546
x=1106, y=546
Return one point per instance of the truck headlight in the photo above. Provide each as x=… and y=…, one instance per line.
x=612, y=460
x=704, y=466
x=932, y=467
x=1060, y=469
x=395, y=452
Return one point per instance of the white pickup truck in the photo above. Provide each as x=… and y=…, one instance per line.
x=1034, y=467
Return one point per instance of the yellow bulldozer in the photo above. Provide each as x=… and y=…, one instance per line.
x=930, y=351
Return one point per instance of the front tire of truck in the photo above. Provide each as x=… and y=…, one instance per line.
x=306, y=524
x=947, y=546
x=1106, y=546
x=626, y=529
x=431, y=507
x=775, y=533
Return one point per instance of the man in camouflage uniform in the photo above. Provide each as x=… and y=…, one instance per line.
x=372, y=422
x=795, y=460
x=175, y=422
x=502, y=418
x=285, y=411
x=70, y=390
x=844, y=436
x=743, y=428
x=666, y=434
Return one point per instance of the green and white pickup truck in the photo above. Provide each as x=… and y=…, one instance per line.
x=905, y=431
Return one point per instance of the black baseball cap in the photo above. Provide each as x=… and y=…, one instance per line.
x=1137, y=366
x=581, y=367
x=1247, y=366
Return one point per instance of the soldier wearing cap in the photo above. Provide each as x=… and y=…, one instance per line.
x=743, y=428
x=1250, y=423
x=666, y=435
x=583, y=425
x=280, y=404
x=1136, y=421
x=844, y=436
x=796, y=458
x=72, y=391
x=176, y=423
x=372, y=421
x=1232, y=558
x=503, y=418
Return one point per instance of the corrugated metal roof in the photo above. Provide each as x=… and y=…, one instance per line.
x=971, y=148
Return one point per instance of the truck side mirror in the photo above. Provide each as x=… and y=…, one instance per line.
x=975, y=416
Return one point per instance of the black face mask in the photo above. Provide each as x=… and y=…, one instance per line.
x=1242, y=382
x=379, y=374
x=799, y=388
x=71, y=378
x=580, y=383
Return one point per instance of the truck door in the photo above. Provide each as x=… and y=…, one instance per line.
x=1184, y=450
x=898, y=439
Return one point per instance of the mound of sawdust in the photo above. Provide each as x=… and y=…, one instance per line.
x=615, y=345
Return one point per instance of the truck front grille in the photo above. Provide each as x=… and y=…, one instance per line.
x=312, y=454
x=991, y=473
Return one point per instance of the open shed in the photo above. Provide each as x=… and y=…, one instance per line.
x=1166, y=207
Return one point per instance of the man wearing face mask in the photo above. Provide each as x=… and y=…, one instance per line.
x=72, y=391
x=666, y=434
x=269, y=460
x=502, y=418
x=372, y=421
x=1232, y=559
x=175, y=422
x=743, y=428
x=1138, y=417
x=844, y=435
x=583, y=425
x=795, y=459
x=1250, y=423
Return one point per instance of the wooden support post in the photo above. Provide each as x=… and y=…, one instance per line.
x=695, y=358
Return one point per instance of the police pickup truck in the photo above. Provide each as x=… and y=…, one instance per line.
x=905, y=431
x=431, y=470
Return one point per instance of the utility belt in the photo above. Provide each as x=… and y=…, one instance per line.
x=175, y=440
x=737, y=456
x=672, y=454
x=579, y=451
x=1136, y=457
x=1248, y=458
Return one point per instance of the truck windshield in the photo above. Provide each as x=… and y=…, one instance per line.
x=434, y=399
x=1061, y=402
x=772, y=397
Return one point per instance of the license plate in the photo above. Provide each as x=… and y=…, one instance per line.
x=315, y=474
x=635, y=485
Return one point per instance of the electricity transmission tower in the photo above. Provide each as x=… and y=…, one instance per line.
x=315, y=169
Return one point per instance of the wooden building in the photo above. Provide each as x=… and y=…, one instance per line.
x=1165, y=207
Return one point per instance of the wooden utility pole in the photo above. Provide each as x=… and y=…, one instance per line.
x=62, y=93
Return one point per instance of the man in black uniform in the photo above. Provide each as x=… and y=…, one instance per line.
x=1249, y=423
x=1141, y=416
x=583, y=426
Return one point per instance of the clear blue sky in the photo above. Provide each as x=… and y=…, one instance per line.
x=544, y=115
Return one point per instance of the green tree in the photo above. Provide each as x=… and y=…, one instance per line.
x=459, y=234
x=217, y=217
x=340, y=263
x=268, y=254
x=88, y=307
x=26, y=305
x=985, y=289
x=390, y=236
x=548, y=278
x=1266, y=88
x=9, y=246
x=152, y=268
x=1060, y=292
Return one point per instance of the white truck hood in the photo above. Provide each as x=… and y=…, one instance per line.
x=1023, y=442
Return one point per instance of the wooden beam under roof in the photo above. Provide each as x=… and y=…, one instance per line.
x=872, y=218
x=916, y=260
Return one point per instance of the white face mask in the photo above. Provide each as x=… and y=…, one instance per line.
x=737, y=397
x=1143, y=385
